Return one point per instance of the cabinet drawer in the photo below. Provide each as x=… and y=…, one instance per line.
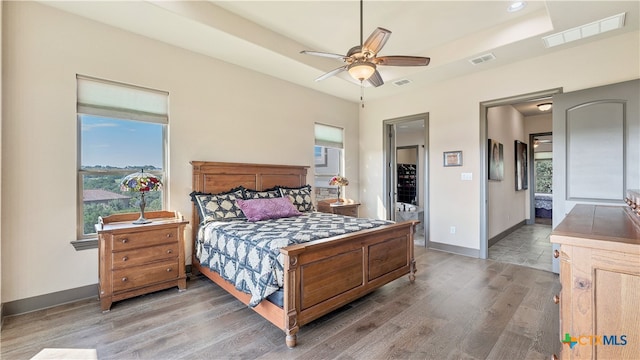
x=144, y=238
x=347, y=211
x=129, y=278
x=141, y=256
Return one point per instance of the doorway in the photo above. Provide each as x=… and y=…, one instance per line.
x=406, y=172
x=502, y=230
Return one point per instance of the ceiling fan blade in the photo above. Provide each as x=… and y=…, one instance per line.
x=376, y=40
x=376, y=79
x=331, y=73
x=399, y=60
x=323, y=54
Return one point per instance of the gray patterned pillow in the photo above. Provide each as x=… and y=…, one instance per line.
x=264, y=194
x=300, y=197
x=219, y=207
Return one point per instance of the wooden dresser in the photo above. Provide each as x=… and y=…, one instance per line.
x=347, y=208
x=139, y=259
x=600, y=277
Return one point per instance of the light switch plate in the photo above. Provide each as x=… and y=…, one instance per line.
x=466, y=176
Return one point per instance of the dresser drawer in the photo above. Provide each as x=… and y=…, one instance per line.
x=144, y=238
x=133, y=277
x=141, y=256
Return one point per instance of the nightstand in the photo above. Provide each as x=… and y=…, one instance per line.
x=139, y=259
x=348, y=208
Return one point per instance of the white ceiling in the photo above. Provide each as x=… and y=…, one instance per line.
x=267, y=36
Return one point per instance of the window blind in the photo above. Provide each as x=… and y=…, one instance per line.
x=122, y=101
x=329, y=136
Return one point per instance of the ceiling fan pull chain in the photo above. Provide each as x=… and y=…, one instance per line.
x=362, y=93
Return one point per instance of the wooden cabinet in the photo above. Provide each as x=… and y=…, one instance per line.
x=139, y=259
x=600, y=276
x=347, y=208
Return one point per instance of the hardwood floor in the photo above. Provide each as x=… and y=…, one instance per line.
x=458, y=308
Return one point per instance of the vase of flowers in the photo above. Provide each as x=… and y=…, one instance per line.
x=340, y=182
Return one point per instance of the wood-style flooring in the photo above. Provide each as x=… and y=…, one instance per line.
x=458, y=308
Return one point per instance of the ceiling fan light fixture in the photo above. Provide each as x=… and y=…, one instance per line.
x=361, y=70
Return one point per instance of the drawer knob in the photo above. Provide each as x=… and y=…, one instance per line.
x=125, y=258
x=556, y=253
x=169, y=235
x=556, y=299
x=168, y=269
x=124, y=241
x=169, y=251
x=124, y=279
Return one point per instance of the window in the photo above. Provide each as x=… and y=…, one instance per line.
x=121, y=129
x=543, y=172
x=329, y=159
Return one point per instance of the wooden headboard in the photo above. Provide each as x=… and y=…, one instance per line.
x=217, y=177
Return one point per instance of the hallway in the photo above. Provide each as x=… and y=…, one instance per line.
x=528, y=246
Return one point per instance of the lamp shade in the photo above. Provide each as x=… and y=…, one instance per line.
x=361, y=70
x=140, y=181
x=339, y=180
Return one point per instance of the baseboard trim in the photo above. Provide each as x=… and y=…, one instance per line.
x=504, y=234
x=460, y=250
x=49, y=300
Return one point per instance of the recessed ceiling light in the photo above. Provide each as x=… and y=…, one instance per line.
x=516, y=6
x=581, y=32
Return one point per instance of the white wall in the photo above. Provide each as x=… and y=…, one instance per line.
x=454, y=123
x=218, y=112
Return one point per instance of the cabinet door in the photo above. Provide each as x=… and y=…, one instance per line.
x=617, y=317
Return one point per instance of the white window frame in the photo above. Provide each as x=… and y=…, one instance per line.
x=120, y=102
x=328, y=136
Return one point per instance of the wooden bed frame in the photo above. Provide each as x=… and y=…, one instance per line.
x=321, y=275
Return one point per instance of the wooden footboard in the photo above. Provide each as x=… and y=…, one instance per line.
x=322, y=275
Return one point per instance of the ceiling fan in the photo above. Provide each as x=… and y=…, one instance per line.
x=361, y=61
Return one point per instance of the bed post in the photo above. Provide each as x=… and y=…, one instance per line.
x=291, y=283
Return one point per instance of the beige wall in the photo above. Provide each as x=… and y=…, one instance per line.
x=506, y=206
x=1, y=86
x=454, y=123
x=218, y=112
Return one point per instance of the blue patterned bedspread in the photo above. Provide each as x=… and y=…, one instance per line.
x=247, y=254
x=544, y=201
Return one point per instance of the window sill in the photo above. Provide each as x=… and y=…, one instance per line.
x=85, y=244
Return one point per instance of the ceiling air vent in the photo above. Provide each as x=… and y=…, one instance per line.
x=401, y=82
x=482, y=58
x=581, y=32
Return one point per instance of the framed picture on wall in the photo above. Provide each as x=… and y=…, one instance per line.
x=496, y=160
x=522, y=182
x=452, y=158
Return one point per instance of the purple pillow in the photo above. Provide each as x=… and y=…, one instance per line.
x=263, y=209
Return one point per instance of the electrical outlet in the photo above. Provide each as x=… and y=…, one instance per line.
x=452, y=229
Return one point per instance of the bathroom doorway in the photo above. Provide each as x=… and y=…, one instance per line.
x=406, y=177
